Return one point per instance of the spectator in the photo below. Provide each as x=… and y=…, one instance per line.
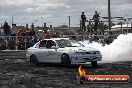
x=56, y=35
x=23, y=32
x=47, y=35
x=19, y=32
x=108, y=40
x=7, y=31
x=83, y=21
x=28, y=43
x=32, y=33
x=13, y=30
x=34, y=39
x=11, y=44
x=96, y=18
x=93, y=38
x=2, y=44
x=20, y=44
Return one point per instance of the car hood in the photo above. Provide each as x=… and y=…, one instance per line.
x=79, y=49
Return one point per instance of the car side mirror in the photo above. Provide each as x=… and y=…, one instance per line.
x=37, y=46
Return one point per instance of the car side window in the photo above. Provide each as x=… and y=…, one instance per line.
x=50, y=43
x=43, y=43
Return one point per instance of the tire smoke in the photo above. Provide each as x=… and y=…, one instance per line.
x=119, y=50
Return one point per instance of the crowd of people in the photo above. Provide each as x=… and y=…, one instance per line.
x=14, y=38
x=21, y=39
x=14, y=31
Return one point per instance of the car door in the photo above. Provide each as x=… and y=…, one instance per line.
x=42, y=51
x=52, y=52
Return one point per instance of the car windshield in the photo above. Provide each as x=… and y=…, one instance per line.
x=64, y=43
x=75, y=43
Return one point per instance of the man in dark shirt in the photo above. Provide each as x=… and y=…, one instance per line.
x=96, y=18
x=7, y=31
x=83, y=21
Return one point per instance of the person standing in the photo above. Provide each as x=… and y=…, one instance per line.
x=34, y=39
x=96, y=18
x=83, y=21
x=47, y=35
x=6, y=27
x=13, y=30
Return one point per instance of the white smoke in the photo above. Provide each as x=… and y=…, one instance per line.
x=119, y=50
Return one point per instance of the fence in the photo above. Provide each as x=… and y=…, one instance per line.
x=13, y=48
x=15, y=43
x=86, y=37
x=24, y=42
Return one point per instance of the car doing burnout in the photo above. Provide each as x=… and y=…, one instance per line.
x=60, y=50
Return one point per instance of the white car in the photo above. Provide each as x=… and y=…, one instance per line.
x=60, y=50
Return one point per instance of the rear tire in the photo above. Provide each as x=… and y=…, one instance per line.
x=65, y=59
x=94, y=63
x=33, y=60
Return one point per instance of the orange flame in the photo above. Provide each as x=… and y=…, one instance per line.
x=81, y=71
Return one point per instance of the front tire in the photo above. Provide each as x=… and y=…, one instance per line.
x=94, y=63
x=34, y=60
x=65, y=59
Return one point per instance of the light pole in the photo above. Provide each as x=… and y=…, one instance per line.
x=69, y=21
x=69, y=29
x=12, y=19
x=109, y=15
x=127, y=20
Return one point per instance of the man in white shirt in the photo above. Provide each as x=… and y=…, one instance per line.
x=13, y=30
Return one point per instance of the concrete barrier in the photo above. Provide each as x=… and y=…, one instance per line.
x=12, y=54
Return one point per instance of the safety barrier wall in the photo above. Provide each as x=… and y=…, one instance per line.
x=12, y=54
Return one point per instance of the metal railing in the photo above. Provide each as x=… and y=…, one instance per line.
x=86, y=37
x=12, y=54
x=15, y=42
x=24, y=42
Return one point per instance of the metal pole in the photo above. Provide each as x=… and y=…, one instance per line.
x=12, y=19
x=109, y=15
x=90, y=27
x=127, y=25
x=83, y=31
x=121, y=28
x=80, y=25
x=69, y=21
x=131, y=25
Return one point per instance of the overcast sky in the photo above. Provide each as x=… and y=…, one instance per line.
x=56, y=12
